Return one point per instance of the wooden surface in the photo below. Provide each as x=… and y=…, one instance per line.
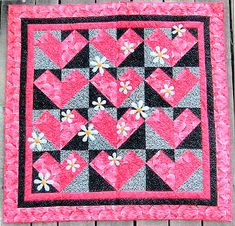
x=229, y=11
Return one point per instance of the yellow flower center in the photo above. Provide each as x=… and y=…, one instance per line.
x=99, y=65
x=99, y=104
x=178, y=29
x=37, y=141
x=160, y=55
x=88, y=132
x=167, y=91
x=139, y=110
x=122, y=129
x=43, y=182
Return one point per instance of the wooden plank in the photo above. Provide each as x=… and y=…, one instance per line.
x=230, y=74
x=80, y=223
x=185, y=223
x=45, y=224
x=116, y=223
x=77, y=1
x=46, y=2
x=152, y=223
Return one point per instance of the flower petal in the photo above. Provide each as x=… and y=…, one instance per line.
x=39, y=187
x=81, y=134
x=46, y=187
x=36, y=181
x=84, y=139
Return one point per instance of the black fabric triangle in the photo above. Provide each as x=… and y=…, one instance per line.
x=38, y=73
x=94, y=94
x=177, y=111
x=34, y=186
x=193, y=140
x=112, y=71
x=120, y=32
x=41, y=101
x=154, y=182
x=136, y=140
x=135, y=59
x=168, y=71
x=190, y=59
x=152, y=98
x=194, y=32
x=97, y=182
x=84, y=33
x=83, y=112
x=81, y=60
x=65, y=34
x=139, y=31
x=76, y=143
x=55, y=154
x=121, y=112
x=151, y=152
x=148, y=71
x=94, y=153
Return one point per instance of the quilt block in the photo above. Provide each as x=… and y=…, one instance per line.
x=116, y=112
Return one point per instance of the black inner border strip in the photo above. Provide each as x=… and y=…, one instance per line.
x=211, y=202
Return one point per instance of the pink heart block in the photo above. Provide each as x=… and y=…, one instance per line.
x=174, y=132
x=61, y=52
x=59, y=172
x=104, y=41
x=174, y=173
x=117, y=175
x=59, y=133
x=176, y=48
x=182, y=84
x=60, y=92
x=109, y=86
x=102, y=119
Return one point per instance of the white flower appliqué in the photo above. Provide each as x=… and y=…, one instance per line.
x=88, y=132
x=128, y=48
x=114, y=159
x=99, y=104
x=37, y=140
x=159, y=55
x=168, y=91
x=67, y=116
x=122, y=128
x=72, y=165
x=43, y=182
x=125, y=87
x=178, y=30
x=139, y=110
x=99, y=64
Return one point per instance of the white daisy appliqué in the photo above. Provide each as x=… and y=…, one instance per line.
x=72, y=165
x=178, y=30
x=67, y=116
x=159, y=55
x=37, y=140
x=99, y=64
x=168, y=91
x=114, y=159
x=88, y=132
x=128, y=48
x=139, y=110
x=125, y=87
x=99, y=104
x=43, y=181
x=122, y=129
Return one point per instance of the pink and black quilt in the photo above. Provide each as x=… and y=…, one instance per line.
x=116, y=111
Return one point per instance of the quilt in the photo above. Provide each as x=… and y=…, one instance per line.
x=116, y=111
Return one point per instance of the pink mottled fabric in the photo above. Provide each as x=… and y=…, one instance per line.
x=116, y=111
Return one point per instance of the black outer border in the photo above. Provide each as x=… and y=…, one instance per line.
x=22, y=109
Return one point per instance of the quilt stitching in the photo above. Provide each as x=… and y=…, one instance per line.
x=127, y=122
